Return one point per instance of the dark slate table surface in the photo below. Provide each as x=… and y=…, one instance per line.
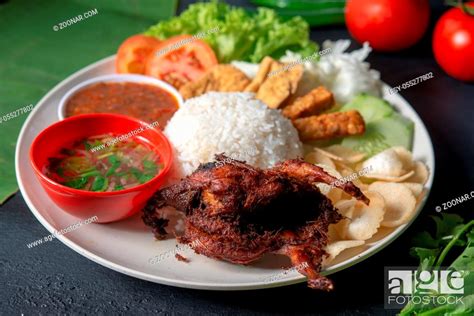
x=53, y=279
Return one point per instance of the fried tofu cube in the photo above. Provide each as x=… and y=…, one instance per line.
x=315, y=102
x=276, y=89
x=331, y=125
x=221, y=78
x=265, y=67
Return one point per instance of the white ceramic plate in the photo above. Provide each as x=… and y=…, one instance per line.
x=127, y=246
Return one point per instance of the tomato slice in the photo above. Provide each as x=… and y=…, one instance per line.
x=133, y=53
x=180, y=59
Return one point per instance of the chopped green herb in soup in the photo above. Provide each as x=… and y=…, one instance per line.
x=94, y=164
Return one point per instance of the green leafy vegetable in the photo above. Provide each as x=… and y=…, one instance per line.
x=115, y=163
x=433, y=250
x=240, y=35
x=77, y=183
x=136, y=173
x=100, y=184
x=87, y=145
x=150, y=166
x=114, y=159
x=145, y=178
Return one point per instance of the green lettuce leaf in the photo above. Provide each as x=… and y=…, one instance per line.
x=236, y=34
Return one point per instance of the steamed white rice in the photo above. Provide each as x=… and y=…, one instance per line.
x=236, y=124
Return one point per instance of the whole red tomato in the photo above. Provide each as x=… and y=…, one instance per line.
x=388, y=25
x=453, y=43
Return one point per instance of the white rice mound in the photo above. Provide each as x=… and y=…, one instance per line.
x=233, y=123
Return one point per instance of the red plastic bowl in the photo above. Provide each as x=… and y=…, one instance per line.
x=107, y=206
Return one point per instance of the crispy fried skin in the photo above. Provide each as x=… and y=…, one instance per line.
x=315, y=102
x=238, y=213
x=302, y=170
x=332, y=125
x=223, y=78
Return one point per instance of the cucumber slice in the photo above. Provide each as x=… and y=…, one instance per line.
x=400, y=131
x=371, y=108
x=384, y=126
x=382, y=134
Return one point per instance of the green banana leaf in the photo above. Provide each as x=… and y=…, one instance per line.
x=34, y=57
x=315, y=12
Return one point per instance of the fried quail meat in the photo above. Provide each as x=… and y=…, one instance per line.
x=238, y=213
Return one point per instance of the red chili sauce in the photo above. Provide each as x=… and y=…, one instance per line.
x=146, y=102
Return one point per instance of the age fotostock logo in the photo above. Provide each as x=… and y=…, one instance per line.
x=438, y=287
